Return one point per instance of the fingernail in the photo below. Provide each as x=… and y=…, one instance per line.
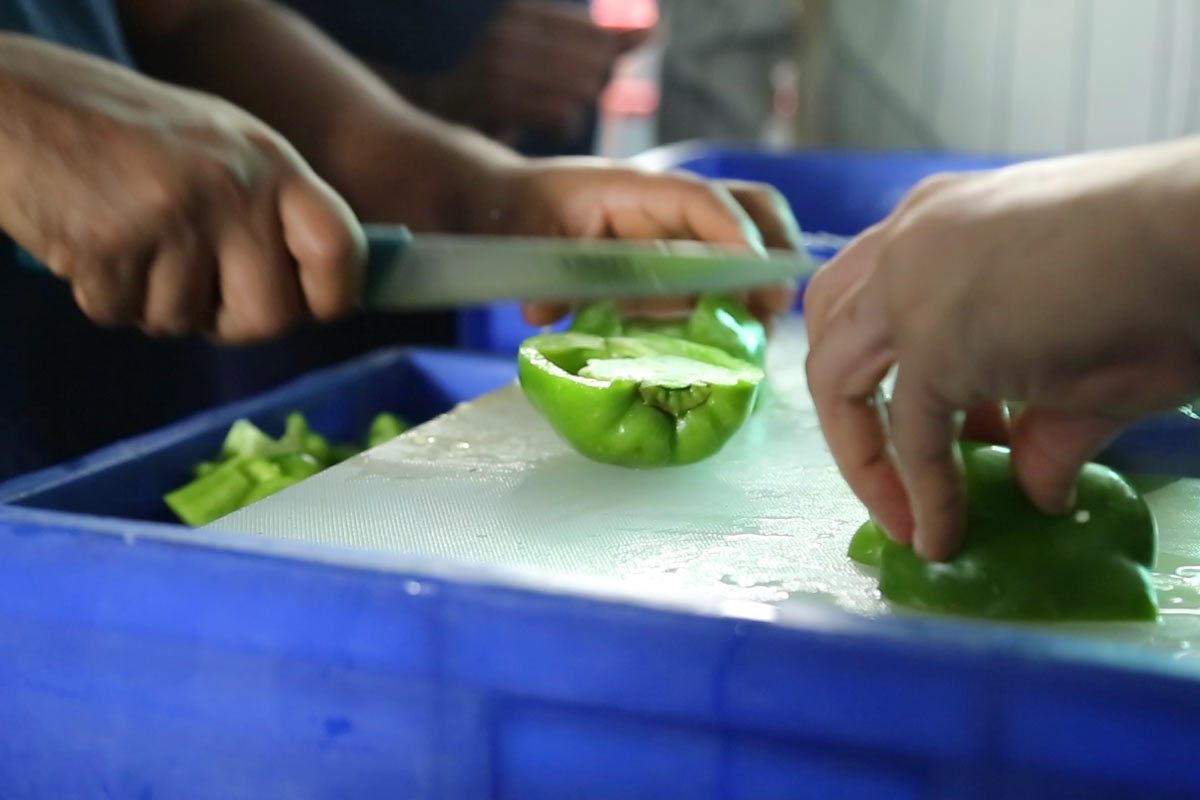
x=899, y=529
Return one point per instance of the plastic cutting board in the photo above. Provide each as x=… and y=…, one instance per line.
x=768, y=519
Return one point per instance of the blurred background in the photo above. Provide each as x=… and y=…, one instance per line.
x=1016, y=77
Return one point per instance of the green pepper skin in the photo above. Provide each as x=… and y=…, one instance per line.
x=384, y=428
x=220, y=491
x=716, y=321
x=866, y=546
x=631, y=423
x=1017, y=563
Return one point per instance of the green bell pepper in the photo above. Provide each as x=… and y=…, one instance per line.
x=1020, y=564
x=716, y=321
x=644, y=401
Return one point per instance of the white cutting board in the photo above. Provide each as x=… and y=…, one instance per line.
x=768, y=519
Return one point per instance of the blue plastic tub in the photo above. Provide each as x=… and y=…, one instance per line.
x=144, y=660
x=840, y=193
x=129, y=479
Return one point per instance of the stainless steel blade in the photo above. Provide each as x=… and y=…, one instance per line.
x=407, y=272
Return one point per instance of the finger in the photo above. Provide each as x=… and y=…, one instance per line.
x=113, y=294
x=770, y=211
x=837, y=278
x=539, y=314
x=260, y=294
x=922, y=430
x=327, y=244
x=669, y=207
x=771, y=301
x=545, y=72
x=181, y=291
x=556, y=114
x=629, y=39
x=1049, y=448
x=987, y=422
x=844, y=371
x=562, y=44
x=569, y=23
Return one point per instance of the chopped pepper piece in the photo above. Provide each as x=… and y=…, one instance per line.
x=384, y=428
x=1020, y=564
x=252, y=466
x=716, y=321
x=220, y=491
x=644, y=401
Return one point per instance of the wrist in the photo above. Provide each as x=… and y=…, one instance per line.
x=423, y=173
x=1169, y=206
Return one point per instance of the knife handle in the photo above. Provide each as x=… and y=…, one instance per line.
x=385, y=243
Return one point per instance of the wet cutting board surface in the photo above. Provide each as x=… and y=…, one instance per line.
x=768, y=519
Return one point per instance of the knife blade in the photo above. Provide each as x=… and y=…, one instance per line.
x=442, y=271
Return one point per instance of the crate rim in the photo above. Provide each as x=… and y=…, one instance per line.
x=933, y=634
x=21, y=486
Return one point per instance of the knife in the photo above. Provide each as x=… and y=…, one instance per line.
x=439, y=271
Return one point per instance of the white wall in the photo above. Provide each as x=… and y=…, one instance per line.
x=1026, y=76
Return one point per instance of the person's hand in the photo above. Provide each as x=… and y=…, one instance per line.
x=1070, y=285
x=164, y=208
x=539, y=67
x=591, y=199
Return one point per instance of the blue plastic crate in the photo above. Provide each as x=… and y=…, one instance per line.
x=834, y=192
x=143, y=660
x=128, y=479
x=146, y=661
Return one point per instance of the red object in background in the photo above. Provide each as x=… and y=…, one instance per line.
x=630, y=97
x=625, y=13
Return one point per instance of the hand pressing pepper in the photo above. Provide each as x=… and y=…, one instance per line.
x=1070, y=285
x=645, y=401
x=1019, y=563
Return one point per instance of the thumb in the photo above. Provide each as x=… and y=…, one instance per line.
x=1049, y=448
x=632, y=38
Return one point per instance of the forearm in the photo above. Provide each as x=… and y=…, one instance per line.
x=387, y=158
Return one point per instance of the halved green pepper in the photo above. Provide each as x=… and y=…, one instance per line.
x=644, y=401
x=1020, y=564
x=716, y=321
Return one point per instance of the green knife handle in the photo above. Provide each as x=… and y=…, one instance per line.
x=385, y=244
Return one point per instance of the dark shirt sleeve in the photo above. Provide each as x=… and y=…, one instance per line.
x=418, y=36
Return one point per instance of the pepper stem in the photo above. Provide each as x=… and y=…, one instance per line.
x=675, y=401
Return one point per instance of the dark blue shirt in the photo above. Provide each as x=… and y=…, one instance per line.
x=426, y=37
x=67, y=386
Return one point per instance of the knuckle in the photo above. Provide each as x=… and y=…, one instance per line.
x=815, y=374
x=176, y=323
x=104, y=244
x=270, y=321
x=100, y=307
x=933, y=184
x=221, y=181
x=165, y=196
x=63, y=261
x=336, y=252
